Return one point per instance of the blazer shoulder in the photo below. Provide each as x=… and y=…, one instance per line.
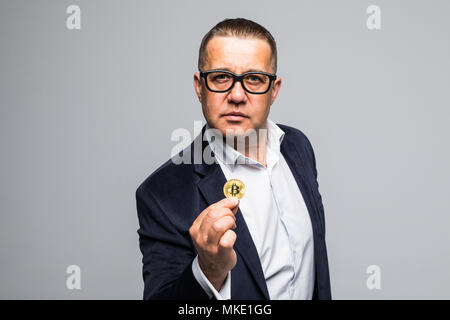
x=167, y=178
x=295, y=135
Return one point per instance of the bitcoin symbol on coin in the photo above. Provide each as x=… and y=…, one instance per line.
x=234, y=188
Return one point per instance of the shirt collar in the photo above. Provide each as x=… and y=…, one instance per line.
x=229, y=156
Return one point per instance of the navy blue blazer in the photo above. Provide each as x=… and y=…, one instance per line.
x=172, y=197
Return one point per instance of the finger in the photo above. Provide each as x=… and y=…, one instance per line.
x=235, y=209
x=218, y=228
x=215, y=210
x=224, y=203
x=227, y=240
x=203, y=226
x=230, y=203
x=206, y=225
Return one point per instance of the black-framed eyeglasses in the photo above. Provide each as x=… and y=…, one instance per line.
x=255, y=82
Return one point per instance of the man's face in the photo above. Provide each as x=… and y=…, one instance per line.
x=239, y=56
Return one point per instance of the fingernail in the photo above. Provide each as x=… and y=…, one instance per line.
x=234, y=201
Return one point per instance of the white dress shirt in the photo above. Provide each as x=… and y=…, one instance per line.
x=276, y=216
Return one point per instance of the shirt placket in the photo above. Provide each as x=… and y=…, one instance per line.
x=280, y=214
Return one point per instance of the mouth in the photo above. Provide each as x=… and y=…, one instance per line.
x=235, y=116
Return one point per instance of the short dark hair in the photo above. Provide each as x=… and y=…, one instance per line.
x=241, y=28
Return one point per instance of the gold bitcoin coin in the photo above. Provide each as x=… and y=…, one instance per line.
x=234, y=188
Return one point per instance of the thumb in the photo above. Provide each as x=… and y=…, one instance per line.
x=236, y=207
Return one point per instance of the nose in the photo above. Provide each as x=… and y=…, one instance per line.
x=237, y=94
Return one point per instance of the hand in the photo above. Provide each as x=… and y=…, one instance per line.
x=214, y=240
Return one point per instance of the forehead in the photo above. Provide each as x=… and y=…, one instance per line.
x=238, y=55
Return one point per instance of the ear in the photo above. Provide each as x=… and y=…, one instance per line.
x=276, y=85
x=198, y=86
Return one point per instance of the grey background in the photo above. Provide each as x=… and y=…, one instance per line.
x=86, y=116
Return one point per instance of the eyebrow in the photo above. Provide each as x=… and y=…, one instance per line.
x=248, y=70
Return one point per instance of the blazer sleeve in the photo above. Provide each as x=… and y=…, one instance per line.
x=167, y=254
x=319, y=196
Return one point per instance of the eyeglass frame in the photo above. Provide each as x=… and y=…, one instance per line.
x=272, y=77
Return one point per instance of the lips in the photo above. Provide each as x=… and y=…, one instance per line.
x=235, y=116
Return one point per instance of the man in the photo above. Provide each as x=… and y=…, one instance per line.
x=198, y=244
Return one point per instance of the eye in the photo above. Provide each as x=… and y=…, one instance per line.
x=255, y=78
x=220, y=77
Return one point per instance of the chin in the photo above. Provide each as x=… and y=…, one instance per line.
x=237, y=128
